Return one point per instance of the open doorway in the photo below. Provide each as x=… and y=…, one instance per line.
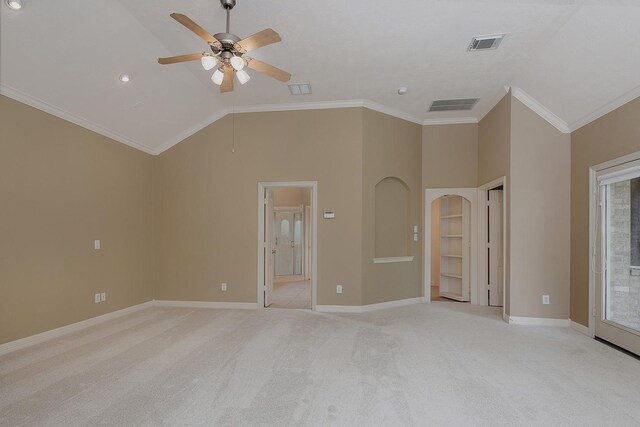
x=450, y=249
x=287, y=231
x=450, y=245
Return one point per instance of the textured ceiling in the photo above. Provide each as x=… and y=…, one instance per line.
x=574, y=58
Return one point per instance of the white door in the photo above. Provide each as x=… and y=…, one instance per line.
x=269, y=247
x=496, y=285
x=284, y=242
x=617, y=297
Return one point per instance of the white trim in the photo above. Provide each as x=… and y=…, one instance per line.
x=73, y=327
x=369, y=307
x=206, y=304
x=313, y=185
x=538, y=321
x=41, y=105
x=540, y=109
x=605, y=109
x=321, y=105
x=505, y=316
x=431, y=194
x=392, y=259
x=482, y=237
x=580, y=328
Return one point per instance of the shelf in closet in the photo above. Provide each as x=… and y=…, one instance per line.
x=452, y=296
x=451, y=216
x=451, y=236
x=450, y=256
x=455, y=276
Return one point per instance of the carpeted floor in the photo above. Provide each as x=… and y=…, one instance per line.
x=291, y=294
x=427, y=364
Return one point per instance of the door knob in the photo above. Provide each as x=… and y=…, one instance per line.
x=273, y=251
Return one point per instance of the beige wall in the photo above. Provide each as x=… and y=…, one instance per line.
x=611, y=136
x=206, y=210
x=450, y=156
x=392, y=147
x=494, y=140
x=62, y=187
x=540, y=215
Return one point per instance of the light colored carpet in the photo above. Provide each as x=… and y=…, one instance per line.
x=427, y=364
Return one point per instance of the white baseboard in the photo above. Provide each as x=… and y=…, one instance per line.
x=369, y=307
x=538, y=321
x=206, y=304
x=505, y=317
x=63, y=330
x=580, y=328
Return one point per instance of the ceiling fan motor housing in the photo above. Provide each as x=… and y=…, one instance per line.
x=228, y=4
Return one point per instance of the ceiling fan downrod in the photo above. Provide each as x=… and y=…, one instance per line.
x=228, y=5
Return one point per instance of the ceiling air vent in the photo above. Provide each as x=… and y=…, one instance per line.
x=453, y=104
x=300, y=89
x=485, y=42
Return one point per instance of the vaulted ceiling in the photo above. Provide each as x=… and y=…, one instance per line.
x=573, y=60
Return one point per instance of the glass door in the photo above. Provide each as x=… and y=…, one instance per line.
x=618, y=293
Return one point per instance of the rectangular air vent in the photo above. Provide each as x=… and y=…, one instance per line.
x=300, y=89
x=485, y=42
x=453, y=104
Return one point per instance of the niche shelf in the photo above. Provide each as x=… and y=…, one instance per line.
x=454, y=247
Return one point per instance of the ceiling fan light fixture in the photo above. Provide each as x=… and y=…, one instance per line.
x=14, y=4
x=237, y=63
x=209, y=62
x=217, y=77
x=243, y=76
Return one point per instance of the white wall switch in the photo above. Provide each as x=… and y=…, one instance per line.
x=96, y=245
x=415, y=228
x=415, y=237
x=338, y=289
x=103, y=296
x=97, y=298
x=545, y=299
x=223, y=286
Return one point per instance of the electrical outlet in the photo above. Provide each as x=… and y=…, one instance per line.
x=545, y=299
x=223, y=286
x=338, y=289
x=415, y=237
x=103, y=296
x=97, y=298
x=96, y=245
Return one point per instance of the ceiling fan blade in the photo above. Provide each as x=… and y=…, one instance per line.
x=269, y=70
x=197, y=29
x=181, y=58
x=263, y=38
x=227, y=82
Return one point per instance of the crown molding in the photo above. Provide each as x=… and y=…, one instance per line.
x=605, y=109
x=41, y=105
x=540, y=109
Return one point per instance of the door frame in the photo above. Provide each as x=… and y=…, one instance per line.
x=595, y=253
x=482, y=236
x=313, y=222
x=430, y=195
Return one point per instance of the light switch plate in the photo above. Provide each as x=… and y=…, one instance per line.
x=103, y=296
x=415, y=237
x=338, y=289
x=545, y=299
x=415, y=228
x=96, y=245
x=223, y=286
x=97, y=298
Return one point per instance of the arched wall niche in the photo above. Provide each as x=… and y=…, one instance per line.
x=392, y=218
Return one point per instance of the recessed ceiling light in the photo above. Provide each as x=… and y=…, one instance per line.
x=124, y=78
x=15, y=4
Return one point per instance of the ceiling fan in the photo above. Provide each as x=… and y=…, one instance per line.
x=228, y=52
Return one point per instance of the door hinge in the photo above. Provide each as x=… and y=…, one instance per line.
x=593, y=312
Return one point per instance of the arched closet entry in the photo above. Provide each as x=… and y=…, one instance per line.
x=450, y=261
